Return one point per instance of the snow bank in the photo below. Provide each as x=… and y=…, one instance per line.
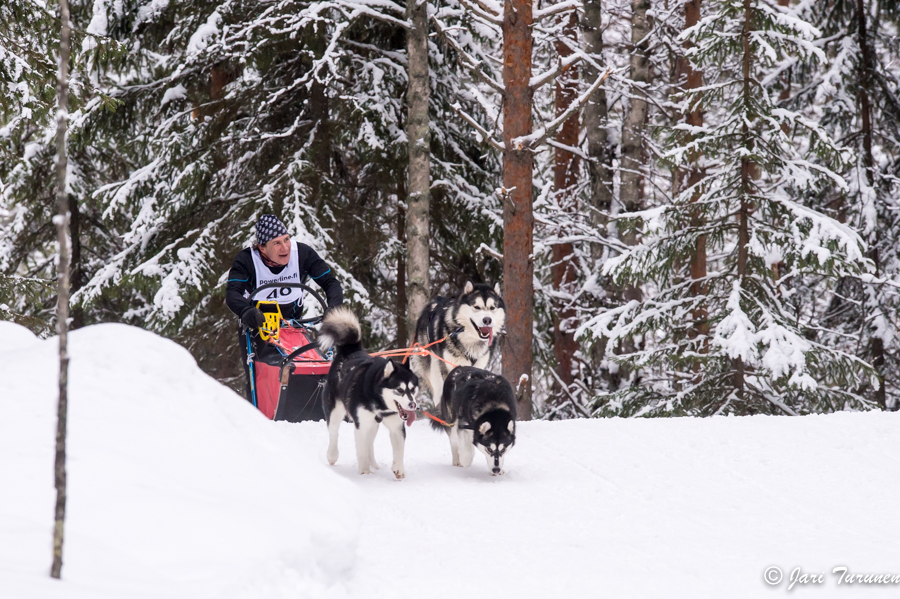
x=14, y=337
x=177, y=486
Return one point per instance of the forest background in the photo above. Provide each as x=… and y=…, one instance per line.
x=691, y=207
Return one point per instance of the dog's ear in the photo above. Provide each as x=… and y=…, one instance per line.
x=497, y=288
x=512, y=426
x=388, y=368
x=484, y=428
x=468, y=288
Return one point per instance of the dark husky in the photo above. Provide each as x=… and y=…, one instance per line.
x=480, y=408
x=367, y=389
x=474, y=317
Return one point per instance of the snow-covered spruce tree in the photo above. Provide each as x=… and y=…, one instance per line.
x=217, y=124
x=29, y=38
x=28, y=156
x=762, y=354
x=296, y=108
x=856, y=99
x=463, y=174
x=581, y=219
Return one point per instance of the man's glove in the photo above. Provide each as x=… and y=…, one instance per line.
x=253, y=318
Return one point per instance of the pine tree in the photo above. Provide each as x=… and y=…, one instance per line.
x=763, y=242
x=856, y=99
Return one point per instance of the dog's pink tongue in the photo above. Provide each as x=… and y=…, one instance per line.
x=410, y=417
x=489, y=331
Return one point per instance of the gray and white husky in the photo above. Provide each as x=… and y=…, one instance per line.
x=480, y=409
x=474, y=318
x=366, y=389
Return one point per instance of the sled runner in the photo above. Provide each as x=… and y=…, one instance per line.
x=287, y=370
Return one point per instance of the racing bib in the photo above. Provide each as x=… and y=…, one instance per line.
x=290, y=274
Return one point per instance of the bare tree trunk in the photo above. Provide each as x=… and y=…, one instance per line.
x=636, y=117
x=565, y=177
x=418, y=133
x=518, y=217
x=747, y=168
x=62, y=313
x=600, y=151
x=631, y=191
x=876, y=343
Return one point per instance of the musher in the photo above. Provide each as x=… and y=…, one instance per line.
x=275, y=259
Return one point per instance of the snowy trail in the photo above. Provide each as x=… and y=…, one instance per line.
x=179, y=489
x=625, y=508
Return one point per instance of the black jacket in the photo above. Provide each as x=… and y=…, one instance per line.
x=242, y=278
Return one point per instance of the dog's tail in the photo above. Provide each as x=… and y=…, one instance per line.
x=341, y=330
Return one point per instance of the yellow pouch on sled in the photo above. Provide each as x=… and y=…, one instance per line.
x=272, y=327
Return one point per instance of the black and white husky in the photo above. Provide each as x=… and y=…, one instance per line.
x=366, y=389
x=480, y=408
x=475, y=317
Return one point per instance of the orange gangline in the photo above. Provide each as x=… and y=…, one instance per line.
x=415, y=349
x=436, y=419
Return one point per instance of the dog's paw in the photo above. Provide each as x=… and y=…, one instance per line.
x=457, y=464
x=501, y=473
x=332, y=458
x=400, y=473
x=365, y=471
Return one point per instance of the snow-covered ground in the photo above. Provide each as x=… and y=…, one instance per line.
x=178, y=488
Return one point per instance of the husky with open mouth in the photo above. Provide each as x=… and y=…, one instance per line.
x=367, y=390
x=479, y=412
x=473, y=320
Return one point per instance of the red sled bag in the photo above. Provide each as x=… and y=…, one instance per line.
x=287, y=369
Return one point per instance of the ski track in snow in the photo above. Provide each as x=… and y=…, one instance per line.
x=633, y=508
x=179, y=489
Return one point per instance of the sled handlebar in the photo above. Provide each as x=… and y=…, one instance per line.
x=310, y=290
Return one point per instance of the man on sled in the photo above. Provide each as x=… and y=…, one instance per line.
x=274, y=259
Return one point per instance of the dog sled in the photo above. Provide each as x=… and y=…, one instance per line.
x=287, y=370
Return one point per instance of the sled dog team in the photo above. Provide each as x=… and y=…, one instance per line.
x=478, y=408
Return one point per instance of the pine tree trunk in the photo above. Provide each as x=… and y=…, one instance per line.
x=565, y=177
x=600, y=152
x=77, y=268
x=694, y=118
x=518, y=217
x=418, y=134
x=876, y=343
x=631, y=193
x=403, y=336
x=62, y=313
x=746, y=186
x=595, y=111
x=320, y=150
